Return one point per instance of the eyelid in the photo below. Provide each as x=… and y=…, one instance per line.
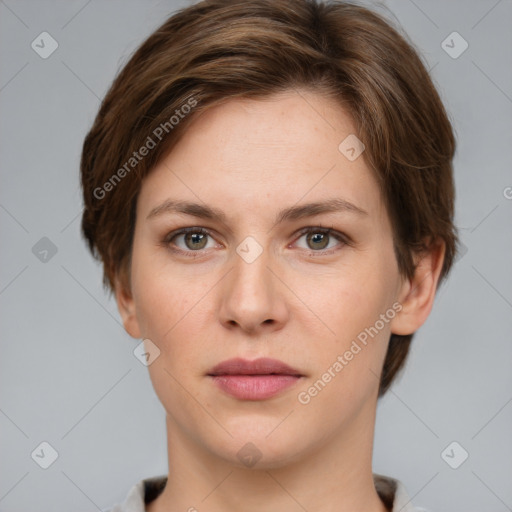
x=338, y=235
x=341, y=237
x=183, y=231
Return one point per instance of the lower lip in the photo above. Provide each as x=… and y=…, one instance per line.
x=254, y=387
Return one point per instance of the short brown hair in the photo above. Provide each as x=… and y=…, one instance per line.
x=217, y=50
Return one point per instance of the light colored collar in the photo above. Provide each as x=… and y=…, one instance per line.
x=390, y=490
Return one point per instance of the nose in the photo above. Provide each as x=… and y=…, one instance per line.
x=252, y=298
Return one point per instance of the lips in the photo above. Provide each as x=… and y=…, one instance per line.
x=262, y=366
x=254, y=380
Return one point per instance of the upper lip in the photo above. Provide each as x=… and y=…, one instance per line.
x=261, y=366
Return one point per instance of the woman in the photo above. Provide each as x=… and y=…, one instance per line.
x=269, y=187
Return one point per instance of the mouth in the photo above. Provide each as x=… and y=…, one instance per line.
x=254, y=380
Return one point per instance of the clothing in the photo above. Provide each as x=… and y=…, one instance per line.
x=391, y=492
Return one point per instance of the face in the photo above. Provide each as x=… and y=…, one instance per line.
x=255, y=270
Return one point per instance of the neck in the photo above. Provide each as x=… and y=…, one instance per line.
x=334, y=476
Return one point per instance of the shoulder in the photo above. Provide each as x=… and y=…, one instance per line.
x=394, y=495
x=141, y=493
x=391, y=491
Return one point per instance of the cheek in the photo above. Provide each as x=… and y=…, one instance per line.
x=354, y=301
x=173, y=311
x=348, y=366
x=358, y=307
x=172, y=315
x=164, y=297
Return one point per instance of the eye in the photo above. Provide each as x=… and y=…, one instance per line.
x=319, y=239
x=193, y=239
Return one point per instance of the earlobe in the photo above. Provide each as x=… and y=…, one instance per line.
x=417, y=293
x=127, y=310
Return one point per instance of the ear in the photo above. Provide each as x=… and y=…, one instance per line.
x=126, y=306
x=417, y=294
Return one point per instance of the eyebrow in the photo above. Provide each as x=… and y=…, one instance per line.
x=202, y=211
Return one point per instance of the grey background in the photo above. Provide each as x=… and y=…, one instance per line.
x=68, y=374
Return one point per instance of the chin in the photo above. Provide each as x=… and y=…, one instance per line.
x=255, y=448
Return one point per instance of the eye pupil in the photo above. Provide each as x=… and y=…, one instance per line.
x=195, y=237
x=318, y=238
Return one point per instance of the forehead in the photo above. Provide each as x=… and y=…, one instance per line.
x=281, y=149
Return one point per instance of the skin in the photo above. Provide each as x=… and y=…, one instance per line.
x=301, y=301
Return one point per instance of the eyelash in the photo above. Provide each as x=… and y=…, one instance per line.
x=312, y=229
